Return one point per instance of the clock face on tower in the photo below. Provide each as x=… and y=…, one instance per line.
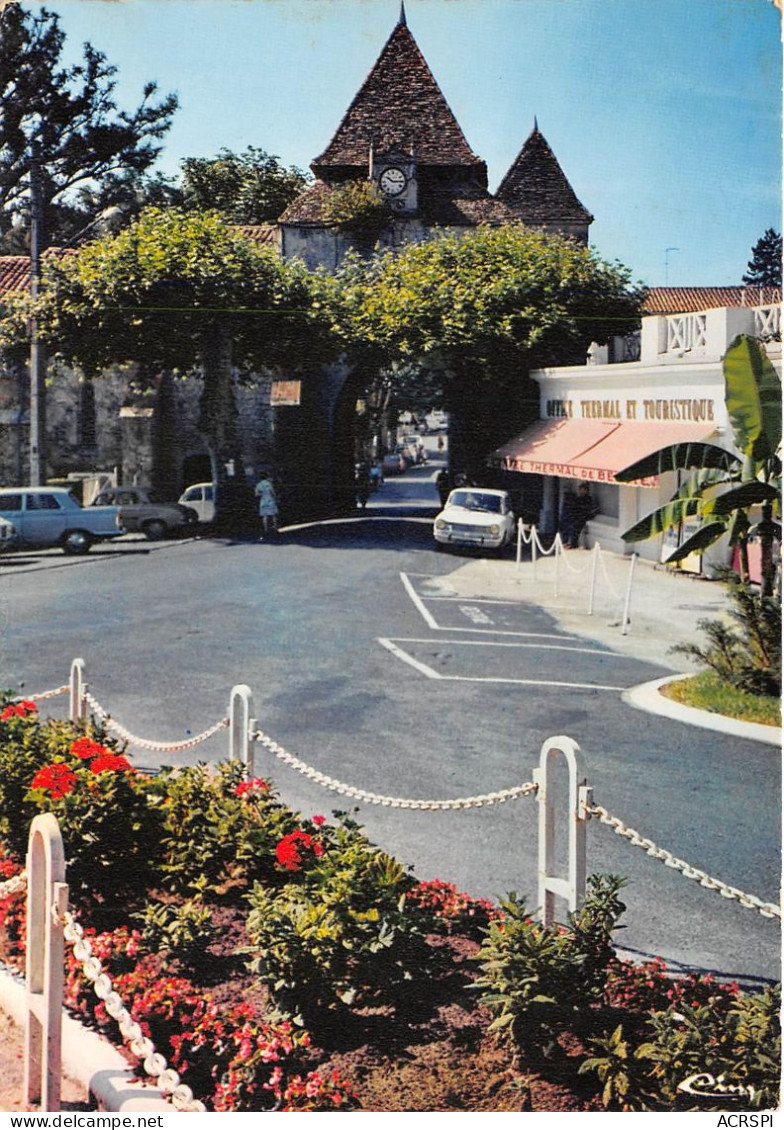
x=392, y=181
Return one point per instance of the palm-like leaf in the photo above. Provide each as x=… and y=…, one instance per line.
x=677, y=457
x=699, y=541
x=740, y=498
x=753, y=398
x=672, y=514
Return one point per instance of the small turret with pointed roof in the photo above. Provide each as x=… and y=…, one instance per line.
x=537, y=190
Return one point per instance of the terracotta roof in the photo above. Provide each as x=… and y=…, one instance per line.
x=261, y=234
x=14, y=274
x=307, y=208
x=691, y=299
x=537, y=188
x=399, y=104
x=15, y=269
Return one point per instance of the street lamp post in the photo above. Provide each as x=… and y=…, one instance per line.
x=37, y=352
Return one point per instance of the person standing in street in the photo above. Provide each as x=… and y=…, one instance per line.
x=268, y=504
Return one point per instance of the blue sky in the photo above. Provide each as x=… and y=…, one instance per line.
x=664, y=114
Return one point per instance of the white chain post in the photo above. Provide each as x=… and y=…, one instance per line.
x=592, y=591
x=47, y=902
x=534, y=540
x=78, y=686
x=519, y=555
x=558, y=550
x=628, y=600
x=240, y=737
x=571, y=888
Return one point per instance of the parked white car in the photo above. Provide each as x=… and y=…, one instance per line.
x=200, y=497
x=415, y=444
x=476, y=516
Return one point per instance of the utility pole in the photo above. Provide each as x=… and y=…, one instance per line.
x=37, y=351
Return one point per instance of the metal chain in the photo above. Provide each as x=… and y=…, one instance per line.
x=750, y=902
x=610, y=585
x=44, y=694
x=571, y=568
x=389, y=801
x=167, y=1079
x=143, y=743
x=11, y=886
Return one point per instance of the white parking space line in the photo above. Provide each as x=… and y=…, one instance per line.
x=431, y=621
x=529, y=646
x=431, y=674
x=400, y=654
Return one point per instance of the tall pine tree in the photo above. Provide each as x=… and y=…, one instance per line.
x=68, y=116
x=764, y=267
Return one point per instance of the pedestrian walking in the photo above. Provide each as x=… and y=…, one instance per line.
x=268, y=504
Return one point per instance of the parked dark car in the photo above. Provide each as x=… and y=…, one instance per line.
x=141, y=515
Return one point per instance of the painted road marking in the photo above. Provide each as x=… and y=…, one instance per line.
x=400, y=653
x=431, y=621
x=529, y=646
x=475, y=615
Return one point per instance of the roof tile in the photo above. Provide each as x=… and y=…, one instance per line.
x=399, y=104
x=537, y=188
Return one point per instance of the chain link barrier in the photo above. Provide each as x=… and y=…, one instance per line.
x=616, y=595
x=750, y=902
x=388, y=801
x=143, y=743
x=43, y=695
x=166, y=1078
x=12, y=885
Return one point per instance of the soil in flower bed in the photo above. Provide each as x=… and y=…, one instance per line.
x=433, y=1054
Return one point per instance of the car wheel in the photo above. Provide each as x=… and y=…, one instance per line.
x=77, y=542
x=155, y=530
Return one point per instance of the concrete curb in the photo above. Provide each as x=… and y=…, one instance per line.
x=646, y=697
x=88, y=1058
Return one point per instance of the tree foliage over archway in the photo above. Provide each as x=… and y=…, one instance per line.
x=473, y=313
x=175, y=291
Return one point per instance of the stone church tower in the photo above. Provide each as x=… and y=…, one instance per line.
x=400, y=134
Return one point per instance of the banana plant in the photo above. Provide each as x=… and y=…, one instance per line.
x=722, y=488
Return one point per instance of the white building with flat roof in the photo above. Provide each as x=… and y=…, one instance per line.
x=598, y=418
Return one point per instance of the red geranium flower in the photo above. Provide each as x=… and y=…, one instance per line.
x=319, y=820
x=109, y=763
x=57, y=779
x=288, y=851
x=253, y=787
x=18, y=710
x=85, y=748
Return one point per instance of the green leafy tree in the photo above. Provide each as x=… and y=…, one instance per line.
x=69, y=116
x=471, y=314
x=174, y=291
x=764, y=267
x=246, y=188
x=722, y=488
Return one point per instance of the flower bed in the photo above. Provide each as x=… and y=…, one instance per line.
x=283, y=962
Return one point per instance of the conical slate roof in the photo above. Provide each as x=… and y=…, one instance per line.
x=399, y=105
x=536, y=186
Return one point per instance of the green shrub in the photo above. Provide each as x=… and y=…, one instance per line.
x=219, y=831
x=357, y=206
x=738, y=1044
x=109, y=830
x=537, y=980
x=183, y=931
x=747, y=657
x=338, y=930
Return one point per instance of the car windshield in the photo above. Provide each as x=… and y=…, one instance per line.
x=475, y=500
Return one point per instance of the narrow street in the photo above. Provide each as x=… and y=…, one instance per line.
x=363, y=666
